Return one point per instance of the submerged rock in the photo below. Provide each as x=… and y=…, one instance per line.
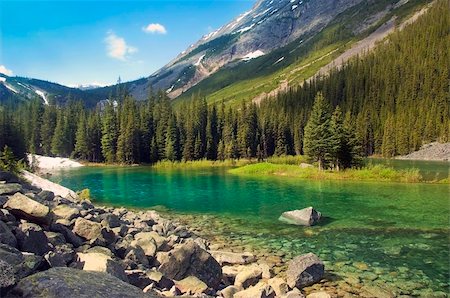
x=304, y=217
x=233, y=258
x=304, y=270
x=68, y=282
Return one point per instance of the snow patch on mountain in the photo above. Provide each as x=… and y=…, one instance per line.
x=253, y=55
x=279, y=60
x=42, y=94
x=199, y=60
x=245, y=29
x=2, y=79
x=10, y=88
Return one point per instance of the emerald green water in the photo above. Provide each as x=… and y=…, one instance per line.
x=400, y=231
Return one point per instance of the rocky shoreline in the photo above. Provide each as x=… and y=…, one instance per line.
x=53, y=246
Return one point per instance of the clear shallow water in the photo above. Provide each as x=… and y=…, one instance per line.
x=385, y=233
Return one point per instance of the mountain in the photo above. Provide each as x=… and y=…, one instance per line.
x=276, y=45
x=277, y=42
x=17, y=89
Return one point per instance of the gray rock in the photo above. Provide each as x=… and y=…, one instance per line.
x=6, y=216
x=65, y=212
x=68, y=282
x=110, y=220
x=189, y=259
x=135, y=257
x=9, y=177
x=233, y=258
x=260, y=290
x=23, y=207
x=31, y=238
x=22, y=264
x=229, y=291
x=94, y=261
x=7, y=276
x=10, y=188
x=93, y=231
x=191, y=285
x=54, y=238
x=248, y=276
x=148, y=245
x=304, y=217
x=138, y=278
x=46, y=195
x=159, y=279
x=279, y=285
x=70, y=236
x=304, y=270
x=294, y=293
x=147, y=236
x=61, y=256
x=6, y=236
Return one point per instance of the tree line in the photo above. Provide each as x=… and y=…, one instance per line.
x=387, y=102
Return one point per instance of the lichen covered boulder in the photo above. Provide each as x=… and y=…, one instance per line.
x=68, y=282
x=23, y=207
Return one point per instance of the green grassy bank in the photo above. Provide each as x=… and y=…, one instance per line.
x=370, y=173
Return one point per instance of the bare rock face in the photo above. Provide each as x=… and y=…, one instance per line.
x=189, y=259
x=23, y=207
x=304, y=270
x=304, y=217
x=65, y=282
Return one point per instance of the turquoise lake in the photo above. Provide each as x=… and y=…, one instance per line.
x=399, y=232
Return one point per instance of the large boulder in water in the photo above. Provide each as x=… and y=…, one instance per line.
x=304, y=217
x=304, y=270
x=68, y=282
x=190, y=259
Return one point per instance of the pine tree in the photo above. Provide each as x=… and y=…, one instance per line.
x=388, y=147
x=172, y=143
x=109, y=134
x=81, y=145
x=58, y=140
x=47, y=129
x=317, y=133
x=338, y=141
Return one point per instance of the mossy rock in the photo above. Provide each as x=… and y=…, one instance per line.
x=68, y=282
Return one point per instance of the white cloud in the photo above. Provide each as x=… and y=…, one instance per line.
x=154, y=28
x=5, y=71
x=117, y=47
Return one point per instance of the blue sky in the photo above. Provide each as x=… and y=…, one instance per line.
x=81, y=42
